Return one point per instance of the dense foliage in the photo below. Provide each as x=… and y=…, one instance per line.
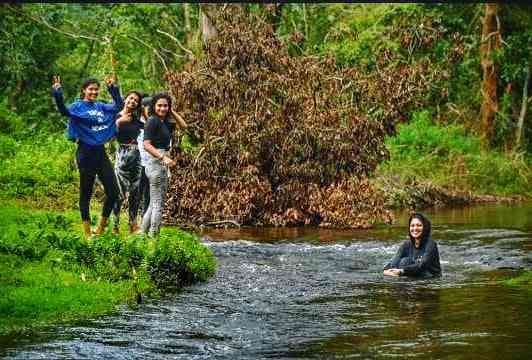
x=394, y=61
x=37, y=236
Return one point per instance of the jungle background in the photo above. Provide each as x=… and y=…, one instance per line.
x=439, y=94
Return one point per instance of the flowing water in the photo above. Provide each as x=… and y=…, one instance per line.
x=314, y=294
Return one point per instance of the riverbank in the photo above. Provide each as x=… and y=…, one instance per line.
x=523, y=281
x=434, y=165
x=50, y=274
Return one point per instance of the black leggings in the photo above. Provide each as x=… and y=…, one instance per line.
x=92, y=161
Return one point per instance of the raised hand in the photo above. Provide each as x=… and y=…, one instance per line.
x=111, y=80
x=56, y=82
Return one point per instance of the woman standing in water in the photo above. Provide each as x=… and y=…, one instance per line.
x=157, y=136
x=127, y=162
x=92, y=124
x=419, y=255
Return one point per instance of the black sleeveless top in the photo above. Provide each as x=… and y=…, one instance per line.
x=129, y=131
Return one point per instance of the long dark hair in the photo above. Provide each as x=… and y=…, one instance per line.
x=86, y=84
x=425, y=234
x=156, y=98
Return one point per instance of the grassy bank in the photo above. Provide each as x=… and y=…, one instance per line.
x=49, y=273
x=449, y=162
x=523, y=280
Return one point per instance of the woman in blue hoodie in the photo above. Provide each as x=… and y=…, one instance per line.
x=92, y=124
x=419, y=255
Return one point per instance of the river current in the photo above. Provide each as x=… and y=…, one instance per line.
x=320, y=294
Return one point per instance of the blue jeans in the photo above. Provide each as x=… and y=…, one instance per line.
x=157, y=174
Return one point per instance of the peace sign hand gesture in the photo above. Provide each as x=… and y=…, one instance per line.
x=111, y=80
x=56, y=84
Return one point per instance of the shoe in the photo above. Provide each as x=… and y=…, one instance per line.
x=87, y=229
x=134, y=228
x=101, y=226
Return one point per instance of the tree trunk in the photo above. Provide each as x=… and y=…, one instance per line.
x=208, y=30
x=490, y=42
x=188, y=26
x=522, y=115
x=12, y=99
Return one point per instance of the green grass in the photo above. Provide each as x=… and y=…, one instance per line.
x=38, y=293
x=523, y=280
x=39, y=169
x=449, y=157
x=50, y=273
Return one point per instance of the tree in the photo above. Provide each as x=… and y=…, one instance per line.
x=208, y=30
x=522, y=113
x=490, y=43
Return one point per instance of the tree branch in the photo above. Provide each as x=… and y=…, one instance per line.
x=178, y=43
x=45, y=23
x=155, y=51
x=232, y=222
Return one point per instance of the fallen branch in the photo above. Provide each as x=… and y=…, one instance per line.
x=212, y=223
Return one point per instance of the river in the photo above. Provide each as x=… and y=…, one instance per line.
x=306, y=293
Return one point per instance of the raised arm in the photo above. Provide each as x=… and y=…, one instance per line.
x=114, y=91
x=57, y=93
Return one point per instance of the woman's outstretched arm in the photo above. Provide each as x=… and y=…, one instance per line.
x=394, y=263
x=57, y=93
x=114, y=91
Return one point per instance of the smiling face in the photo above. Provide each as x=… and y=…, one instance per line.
x=90, y=92
x=416, y=228
x=132, y=101
x=161, y=108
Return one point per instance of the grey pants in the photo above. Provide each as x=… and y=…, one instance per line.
x=128, y=171
x=157, y=174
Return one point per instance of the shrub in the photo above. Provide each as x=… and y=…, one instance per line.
x=179, y=259
x=38, y=168
x=449, y=156
x=176, y=259
x=277, y=131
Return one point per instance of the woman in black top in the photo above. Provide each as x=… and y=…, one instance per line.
x=127, y=164
x=158, y=133
x=419, y=255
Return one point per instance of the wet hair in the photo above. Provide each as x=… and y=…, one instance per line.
x=86, y=84
x=158, y=97
x=425, y=234
x=138, y=109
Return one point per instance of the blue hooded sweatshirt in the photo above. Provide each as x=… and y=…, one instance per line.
x=93, y=123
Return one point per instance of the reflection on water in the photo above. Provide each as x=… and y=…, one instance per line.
x=314, y=293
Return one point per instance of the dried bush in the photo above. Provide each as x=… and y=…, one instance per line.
x=282, y=142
